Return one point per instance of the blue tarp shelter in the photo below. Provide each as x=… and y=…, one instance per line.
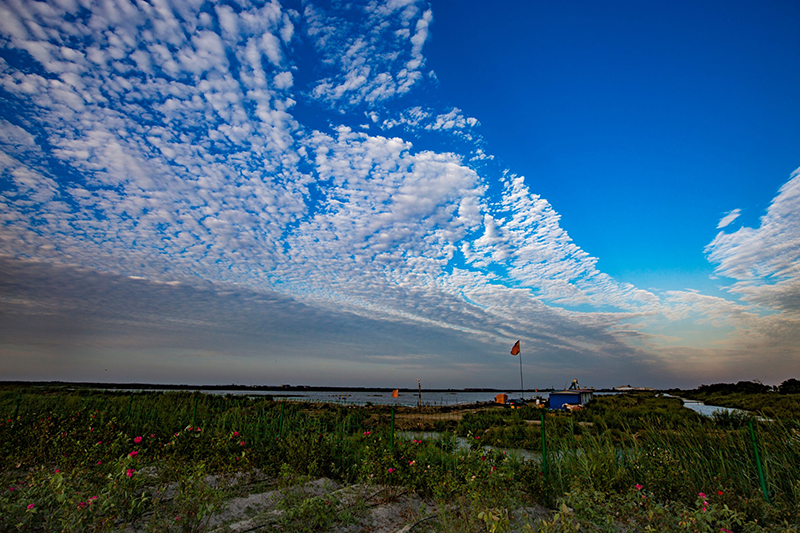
x=558, y=399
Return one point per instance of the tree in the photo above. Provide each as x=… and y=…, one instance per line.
x=790, y=386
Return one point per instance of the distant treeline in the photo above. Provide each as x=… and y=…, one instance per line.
x=790, y=386
x=782, y=401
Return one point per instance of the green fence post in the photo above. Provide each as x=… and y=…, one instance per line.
x=758, y=462
x=16, y=407
x=391, y=439
x=280, y=420
x=544, y=448
x=194, y=411
x=130, y=404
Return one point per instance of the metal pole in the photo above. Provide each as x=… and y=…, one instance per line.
x=758, y=463
x=280, y=420
x=544, y=448
x=391, y=441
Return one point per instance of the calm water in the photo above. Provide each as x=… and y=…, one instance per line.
x=409, y=399
x=708, y=410
x=381, y=398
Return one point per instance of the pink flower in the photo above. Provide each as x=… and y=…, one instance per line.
x=99, y=462
x=702, y=495
x=235, y=433
x=99, y=442
x=137, y=440
x=152, y=435
x=639, y=487
x=92, y=498
x=130, y=472
x=241, y=443
x=134, y=453
x=391, y=470
x=411, y=463
x=367, y=433
x=57, y=470
x=81, y=505
x=31, y=506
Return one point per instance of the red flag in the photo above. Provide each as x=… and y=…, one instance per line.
x=395, y=393
x=515, y=349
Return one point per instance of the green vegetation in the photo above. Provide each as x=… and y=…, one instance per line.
x=781, y=402
x=96, y=461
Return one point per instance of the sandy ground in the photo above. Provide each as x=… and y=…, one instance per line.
x=384, y=510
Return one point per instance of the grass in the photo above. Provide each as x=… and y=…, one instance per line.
x=95, y=460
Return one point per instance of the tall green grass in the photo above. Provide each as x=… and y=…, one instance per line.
x=616, y=443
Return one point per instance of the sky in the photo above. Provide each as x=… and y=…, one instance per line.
x=370, y=193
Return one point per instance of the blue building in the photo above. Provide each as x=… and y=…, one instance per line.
x=559, y=399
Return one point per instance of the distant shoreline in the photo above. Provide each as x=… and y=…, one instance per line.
x=255, y=388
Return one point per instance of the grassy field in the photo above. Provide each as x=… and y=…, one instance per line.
x=87, y=460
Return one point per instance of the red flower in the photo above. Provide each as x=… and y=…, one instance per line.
x=137, y=440
x=130, y=472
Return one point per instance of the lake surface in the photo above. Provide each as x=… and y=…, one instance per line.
x=406, y=399
x=360, y=397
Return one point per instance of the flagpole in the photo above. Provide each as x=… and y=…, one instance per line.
x=515, y=350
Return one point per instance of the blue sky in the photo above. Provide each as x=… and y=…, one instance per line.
x=374, y=192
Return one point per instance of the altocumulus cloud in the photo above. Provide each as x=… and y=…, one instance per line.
x=254, y=172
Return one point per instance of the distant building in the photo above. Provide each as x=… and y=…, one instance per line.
x=628, y=388
x=560, y=399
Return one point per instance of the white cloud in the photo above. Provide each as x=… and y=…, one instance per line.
x=767, y=254
x=162, y=143
x=373, y=59
x=728, y=218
